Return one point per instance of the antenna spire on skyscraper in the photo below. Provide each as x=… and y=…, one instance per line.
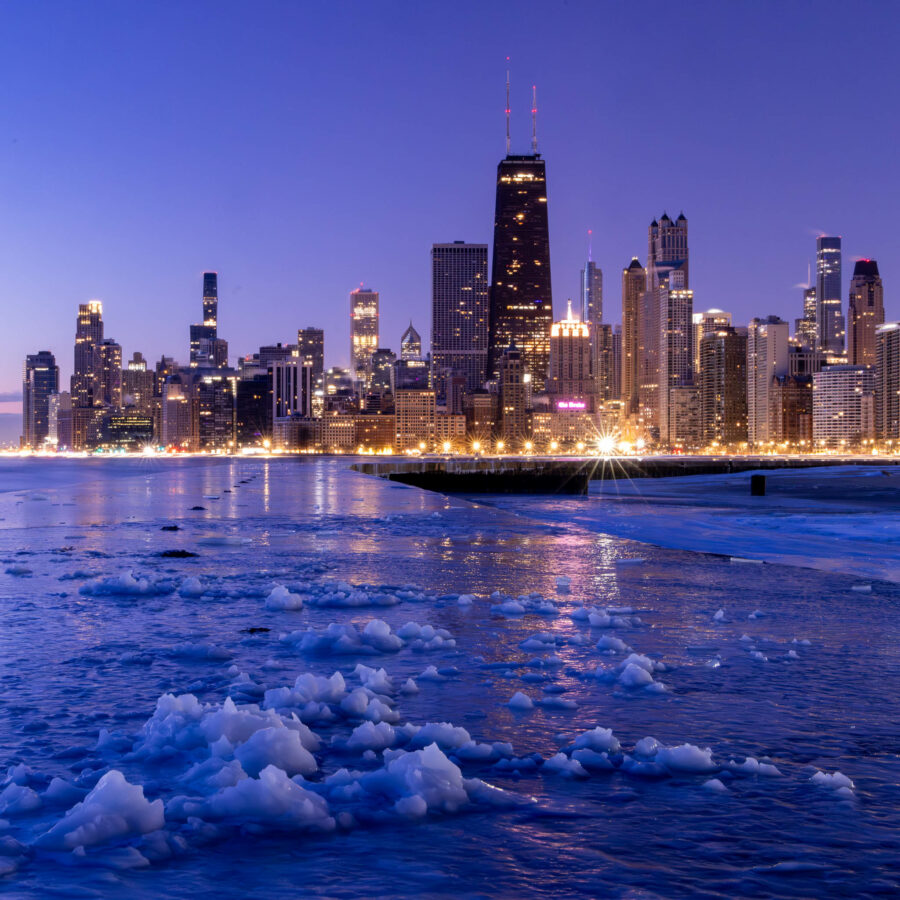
x=507, y=106
x=534, y=119
x=590, y=245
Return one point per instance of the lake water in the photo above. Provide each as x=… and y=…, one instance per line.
x=795, y=668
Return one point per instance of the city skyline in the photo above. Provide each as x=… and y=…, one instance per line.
x=397, y=263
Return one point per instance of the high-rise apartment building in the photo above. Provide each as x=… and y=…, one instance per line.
x=865, y=312
x=829, y=319
x=311, y=344
x=363, y=332
x=768, y=344
x=887, y=381
x=86, y=371
x=459, y=312
x=723, y=386
x=843, y=405
x=514, y=400
x=138, y=385
x=414, y=412
x=521, y=300
x=592, y=305
x=40, y=381
x=110, y=394
x=634, y=282
x=571, y=375
x=207, y=349
x=675, y=353
x=703, y=322
x=667, y=270
x=291, y=383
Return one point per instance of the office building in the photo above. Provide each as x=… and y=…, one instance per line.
x=410, y=344
x=570, y=376
x=207, y=349
x=829, y=319
x=865, y=312
x=138, y=386
x=521, y=300
x=414, y=412
x=805, y=327
x=363, y=332
x=459, y=307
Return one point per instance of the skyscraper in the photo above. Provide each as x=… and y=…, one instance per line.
x=634, y=282
x=363, y=332
x=459, y=306
x=843, y=405
x=592, y=305
x=207, y=349
x=110, y=393
x=570, y=376
x=805, y=327
x=410, y=344
x=521, y=301
x=311, y=344
x=723, y=386
x=887, y=381
x=767, y=361
x=40, y=380
x=514, y=400
x=86, y=370
x=667, y=269
x=865, y=312
x=829, y=319
x=702, y=323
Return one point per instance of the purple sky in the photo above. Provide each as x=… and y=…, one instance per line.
x=302, y=148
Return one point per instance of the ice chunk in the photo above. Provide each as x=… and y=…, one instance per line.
x=124, y=585
x=633, y=676
x=113, y=810
x=17, y=798
x=715, y=785
x=560, y=764
x=520, y=701
x=281, y=598
x=719, y=616
x=19, y=570
x=370, y=736
x=376, y=680
x=687, y=758
x=593, y=761
x=191, y=587
x=272, y=800
x=612, y=644
x=600, y=739
x=835, y=780
x=277, y=746
x=409, y=686
x=444, y=734
x=465, y=599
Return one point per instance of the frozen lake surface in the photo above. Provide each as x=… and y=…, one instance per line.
x=336, y=686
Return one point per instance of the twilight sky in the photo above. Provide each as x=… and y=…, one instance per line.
x=302, y=148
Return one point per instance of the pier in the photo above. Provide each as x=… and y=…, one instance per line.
x=572, y=475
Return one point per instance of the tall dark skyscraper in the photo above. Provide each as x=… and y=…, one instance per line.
x=634, y=282
x=865, y=312
x=829, y=319
x=208, y=350
x=459, y=312
x=40, y=380
x=521, y=302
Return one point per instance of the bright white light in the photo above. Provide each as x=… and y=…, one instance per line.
x=606, y=445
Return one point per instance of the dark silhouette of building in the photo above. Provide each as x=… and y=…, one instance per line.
x=521, y=301
x=208, y=350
